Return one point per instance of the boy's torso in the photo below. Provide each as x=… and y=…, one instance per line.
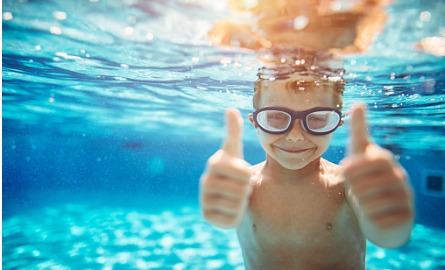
x=304, y=224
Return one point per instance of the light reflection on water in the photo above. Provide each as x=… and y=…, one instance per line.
x=82, y=236
x=144, y=64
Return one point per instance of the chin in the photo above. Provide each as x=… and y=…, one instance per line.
x=294, y=165
x=294, y=161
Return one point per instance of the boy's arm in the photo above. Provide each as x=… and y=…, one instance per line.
x=377, y=188
x=225, y=185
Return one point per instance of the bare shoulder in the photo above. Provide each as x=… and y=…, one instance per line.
x=257, y=167
x=330, y=164
x=332, y=171
x=256, y=172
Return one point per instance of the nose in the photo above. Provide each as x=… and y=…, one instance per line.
x=296, y=133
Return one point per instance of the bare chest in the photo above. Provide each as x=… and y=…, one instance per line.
x=297, y=215
x=301, y=226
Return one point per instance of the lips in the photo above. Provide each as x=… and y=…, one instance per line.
x=294, y=150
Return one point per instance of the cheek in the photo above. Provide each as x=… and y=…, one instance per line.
x=266, y=139
x=323, y=141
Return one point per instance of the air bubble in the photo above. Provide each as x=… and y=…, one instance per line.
x=55, y=30
x=129, y=31
x=425, y=16
x=59, y=15
x=300, y=22
x=7, y=16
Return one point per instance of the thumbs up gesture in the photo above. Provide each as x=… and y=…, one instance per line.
x=225, y=185
x=376, y=184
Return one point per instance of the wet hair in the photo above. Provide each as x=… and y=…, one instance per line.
x=320, y=68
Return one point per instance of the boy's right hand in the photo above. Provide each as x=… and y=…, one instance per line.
x=225, y=185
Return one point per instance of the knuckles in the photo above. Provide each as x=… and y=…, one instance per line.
x=223, y=164
x=212, y=184
x=222, y=221
x=377, y=161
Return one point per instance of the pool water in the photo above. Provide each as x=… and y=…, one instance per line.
x=111, y=109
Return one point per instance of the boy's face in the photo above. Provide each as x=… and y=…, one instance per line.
x=296, y=148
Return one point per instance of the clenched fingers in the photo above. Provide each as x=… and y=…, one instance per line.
x=218, y=186
x=224, y=165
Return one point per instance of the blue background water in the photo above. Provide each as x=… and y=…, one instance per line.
x=110, y=114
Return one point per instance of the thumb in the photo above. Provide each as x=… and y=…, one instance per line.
x=359, y=138
x=233, y=144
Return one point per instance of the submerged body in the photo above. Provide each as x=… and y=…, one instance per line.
x=296, y=210
x=300, y=223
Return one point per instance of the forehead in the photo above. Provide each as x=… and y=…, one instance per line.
x=296, y=95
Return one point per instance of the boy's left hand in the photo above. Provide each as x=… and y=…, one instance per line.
x=374, y=180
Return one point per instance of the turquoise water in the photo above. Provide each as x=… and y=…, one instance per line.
x=111, y=108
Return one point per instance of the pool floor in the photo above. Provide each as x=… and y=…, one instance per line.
x=92, y=236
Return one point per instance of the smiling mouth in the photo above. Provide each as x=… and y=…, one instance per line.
x=295, y=151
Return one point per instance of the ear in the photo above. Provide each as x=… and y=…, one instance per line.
x=341, y=123
x=251, y=120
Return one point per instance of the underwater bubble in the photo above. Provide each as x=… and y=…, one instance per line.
x=425, y=16
x=59, y=15
x=300, y=22
x=129, y=31
x=7, y=16
x=55, y=30
x=300, y=62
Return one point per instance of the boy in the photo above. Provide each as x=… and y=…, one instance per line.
x=297, y=210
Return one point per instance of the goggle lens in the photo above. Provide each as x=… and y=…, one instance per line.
x=322, y=121
x=274, y=120
x=317, y=122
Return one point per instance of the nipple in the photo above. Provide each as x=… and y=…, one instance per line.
x=328, y=226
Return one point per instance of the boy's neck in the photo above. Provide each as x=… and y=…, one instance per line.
x=273, y=168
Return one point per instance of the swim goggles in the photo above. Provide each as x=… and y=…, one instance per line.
x=279, y=120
